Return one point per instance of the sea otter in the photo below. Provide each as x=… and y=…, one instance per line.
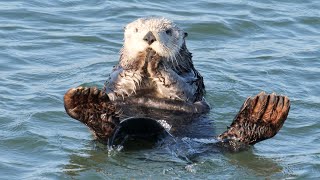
x=156, y=75
x=155, y=66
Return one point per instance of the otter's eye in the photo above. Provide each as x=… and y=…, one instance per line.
x=169, y=32
x=136, y=30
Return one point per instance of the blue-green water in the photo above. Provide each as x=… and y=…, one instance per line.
x=240, y=47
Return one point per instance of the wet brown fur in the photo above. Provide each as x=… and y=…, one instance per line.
x=92, y=107
x=259, y=118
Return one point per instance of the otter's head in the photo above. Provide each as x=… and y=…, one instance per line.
x=159, y=34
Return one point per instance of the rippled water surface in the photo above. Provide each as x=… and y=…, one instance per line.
x=240, y=47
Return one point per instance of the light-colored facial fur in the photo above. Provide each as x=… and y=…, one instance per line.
x=147, y=77
x=169, y=38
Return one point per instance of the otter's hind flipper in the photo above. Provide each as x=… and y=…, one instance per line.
x=259, y=118
x=92, y=107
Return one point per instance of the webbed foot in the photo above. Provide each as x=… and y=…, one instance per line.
x=92, y=107
x=259, y=118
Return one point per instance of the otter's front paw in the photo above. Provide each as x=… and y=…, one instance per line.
x=138, y=63
x=92, y=107
x=154, y=65
x=260, y=118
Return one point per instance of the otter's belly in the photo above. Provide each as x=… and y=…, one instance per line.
x=198, y=107
x=175, y=113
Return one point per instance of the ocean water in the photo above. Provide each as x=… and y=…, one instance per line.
x=240, y=47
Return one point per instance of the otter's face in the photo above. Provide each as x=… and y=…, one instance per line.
x=160, y=34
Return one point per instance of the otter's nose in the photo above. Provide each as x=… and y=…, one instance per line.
x=149, y=38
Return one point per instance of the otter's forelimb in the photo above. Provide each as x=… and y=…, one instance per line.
x=123, y=83
x=127, y=77
x=173, y=86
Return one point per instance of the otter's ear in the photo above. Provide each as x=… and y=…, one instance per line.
x=124, y=28
x=185, y=34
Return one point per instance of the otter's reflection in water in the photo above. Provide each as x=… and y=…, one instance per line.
x=169, y=156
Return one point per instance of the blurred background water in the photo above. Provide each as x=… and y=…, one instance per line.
x=240, y=47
